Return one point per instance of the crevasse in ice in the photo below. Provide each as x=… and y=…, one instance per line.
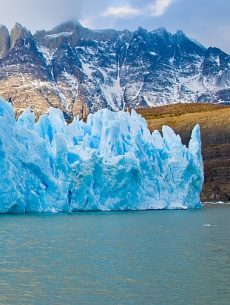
x=111, y=162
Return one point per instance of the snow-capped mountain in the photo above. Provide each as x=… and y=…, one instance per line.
x=81, y=70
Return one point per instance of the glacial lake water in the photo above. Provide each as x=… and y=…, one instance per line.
x=138, y=258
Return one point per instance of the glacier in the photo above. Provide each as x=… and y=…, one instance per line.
x=110, y=162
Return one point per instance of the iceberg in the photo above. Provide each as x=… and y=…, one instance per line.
x=110, y=162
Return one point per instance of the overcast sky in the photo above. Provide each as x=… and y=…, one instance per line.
x=207, y=21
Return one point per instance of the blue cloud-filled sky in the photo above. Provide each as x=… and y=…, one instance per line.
x=205, y=20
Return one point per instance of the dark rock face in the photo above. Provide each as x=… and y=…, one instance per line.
x=115, y=69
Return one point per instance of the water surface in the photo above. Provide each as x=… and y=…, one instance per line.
x=138, y=258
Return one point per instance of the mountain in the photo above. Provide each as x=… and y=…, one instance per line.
x=81, y=70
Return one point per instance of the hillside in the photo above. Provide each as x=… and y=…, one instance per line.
x=215, y=131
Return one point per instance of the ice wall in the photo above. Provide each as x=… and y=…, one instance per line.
x=111, y=162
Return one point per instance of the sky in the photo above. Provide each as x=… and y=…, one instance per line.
x=204, y=20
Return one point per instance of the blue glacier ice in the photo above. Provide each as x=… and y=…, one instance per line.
x=111, y=162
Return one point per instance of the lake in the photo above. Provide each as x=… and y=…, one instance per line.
x=118, y=258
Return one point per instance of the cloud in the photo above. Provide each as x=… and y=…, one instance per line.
x=122, y=11
x=159, y=7
x=87, y=22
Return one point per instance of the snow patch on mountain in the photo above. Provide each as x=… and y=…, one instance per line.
x=54, y=36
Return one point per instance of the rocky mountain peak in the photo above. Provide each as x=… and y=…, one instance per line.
x=161, y=32
x=142, y=31
x=69, y=26
x=181, y=34
x=65, y=33
x=4, y=40
x=18, y=32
